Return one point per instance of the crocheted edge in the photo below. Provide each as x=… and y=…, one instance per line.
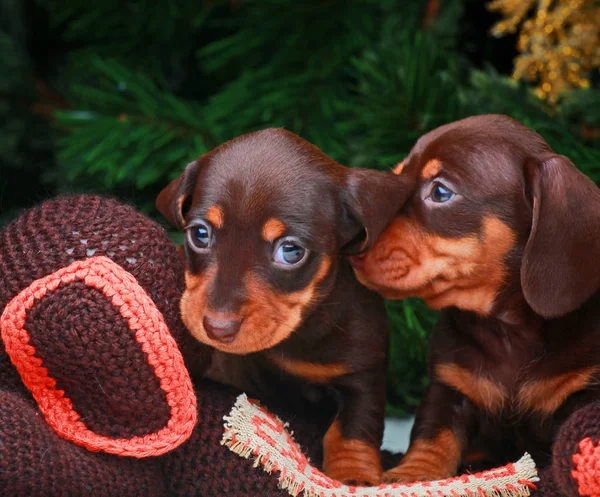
x=586, y=462
x=150, y=331
x=251, y=431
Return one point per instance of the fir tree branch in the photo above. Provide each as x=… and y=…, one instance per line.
x=127, y=129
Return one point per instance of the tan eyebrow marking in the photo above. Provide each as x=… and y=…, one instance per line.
x=400, y=167
x=272, y=229
x=431, y=169
x=215, y=216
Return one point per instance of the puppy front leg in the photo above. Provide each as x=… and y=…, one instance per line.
x=351, y=445
x=439, y=437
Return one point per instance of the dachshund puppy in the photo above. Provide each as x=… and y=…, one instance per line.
x=502, y=235
x=267, y=217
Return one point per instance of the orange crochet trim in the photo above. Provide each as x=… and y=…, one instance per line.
x=587, y=468
x=151, y=333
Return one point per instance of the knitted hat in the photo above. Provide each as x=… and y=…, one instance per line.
x=90, y=292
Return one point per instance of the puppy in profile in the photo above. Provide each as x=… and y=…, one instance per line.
x=503, y=236
x=267, y=217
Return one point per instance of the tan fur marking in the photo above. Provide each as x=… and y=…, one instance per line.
x=434, y=459
x=467, y=272
x=268, y=317
x=484, y=392
x=272, y=229
x=476, y=456
x=194, y=282
x=215, y=216
x=400, y=167
x=349, y=459
x=548, y=394
x=193, y=302
x=317, y=373
x=431, y=169
x=180, y=201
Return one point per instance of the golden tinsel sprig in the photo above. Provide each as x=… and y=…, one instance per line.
x=559, y=42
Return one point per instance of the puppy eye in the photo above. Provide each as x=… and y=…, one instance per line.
x=199, y=236
x=441, y=193
x=289, y=252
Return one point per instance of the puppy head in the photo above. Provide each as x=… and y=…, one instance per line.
x=492, y=208
x=265, y=216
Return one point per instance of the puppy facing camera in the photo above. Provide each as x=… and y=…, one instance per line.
x=268, y=219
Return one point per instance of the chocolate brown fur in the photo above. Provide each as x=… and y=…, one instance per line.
x=512, y=260
x=273, y=325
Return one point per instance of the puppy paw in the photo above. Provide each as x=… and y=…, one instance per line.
x=349, y=460
x=355, y=475
x=428, y=460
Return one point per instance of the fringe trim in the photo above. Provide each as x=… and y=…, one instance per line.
x=501, y=482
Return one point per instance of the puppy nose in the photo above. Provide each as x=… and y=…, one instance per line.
x=221, y=329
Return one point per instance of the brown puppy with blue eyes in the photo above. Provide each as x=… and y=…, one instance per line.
x=267, y=217
x=503, y=236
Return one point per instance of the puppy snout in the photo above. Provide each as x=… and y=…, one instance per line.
x=221, y=329
x=357, y=261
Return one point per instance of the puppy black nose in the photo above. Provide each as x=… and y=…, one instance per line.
x=221, y=329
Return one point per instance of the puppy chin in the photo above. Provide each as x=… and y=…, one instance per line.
x=362, y=278
x=389, y=292
x=246, y=342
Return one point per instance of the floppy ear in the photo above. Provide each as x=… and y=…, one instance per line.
x=371, y=199
x=170, y=201
x=561, y=262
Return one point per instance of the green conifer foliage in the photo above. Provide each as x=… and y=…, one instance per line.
x=117, y=97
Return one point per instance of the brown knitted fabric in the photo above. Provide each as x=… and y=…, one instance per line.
x=203, y=467
x=106, y=375
x=87, y=348
x=36, y=462
x=583, y=424
x=548, y=486
x=60, y=231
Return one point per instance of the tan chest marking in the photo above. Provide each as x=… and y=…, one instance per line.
x=544, y=396
x=317, y=373
x=484, y=392
x=548, y=394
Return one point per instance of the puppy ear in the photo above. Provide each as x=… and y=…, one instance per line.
x=561, y=262
x=170, y=202
x=371, y=199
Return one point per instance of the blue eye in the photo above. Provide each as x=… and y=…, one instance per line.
x=441, y=193
x=289, y=252
x=199, y=236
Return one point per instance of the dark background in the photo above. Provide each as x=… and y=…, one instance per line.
x=117, y=96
